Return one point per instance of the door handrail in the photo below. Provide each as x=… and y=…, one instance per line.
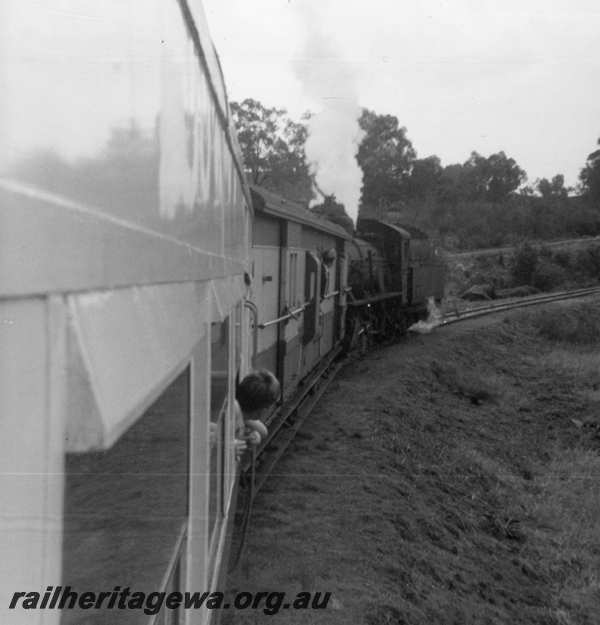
x=292, y=314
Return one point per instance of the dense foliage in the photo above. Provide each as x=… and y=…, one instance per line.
x=546, y=269
x=335, y=212
x=273, y=149
x=482, y=202
x=480, y=224
x=554, y=188
x=385, y=156
x=590, y=176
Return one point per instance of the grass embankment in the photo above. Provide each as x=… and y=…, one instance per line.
x=527, y=269
x=453, y=479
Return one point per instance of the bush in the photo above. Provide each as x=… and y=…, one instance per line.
x=562, y=258
x=547, y=275
x=524, y=264
x=588, y=261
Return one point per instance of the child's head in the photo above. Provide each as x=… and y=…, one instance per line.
x=257, y=391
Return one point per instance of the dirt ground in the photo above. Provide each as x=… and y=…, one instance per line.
x=450, y=479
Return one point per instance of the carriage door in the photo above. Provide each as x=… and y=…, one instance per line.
x=310, y=297
x=406, y=271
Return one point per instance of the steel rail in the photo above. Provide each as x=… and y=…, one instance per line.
x=285, y=422
x=532, y=300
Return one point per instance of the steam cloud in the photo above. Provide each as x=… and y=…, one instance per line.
x=333, y=130
x=434, y=319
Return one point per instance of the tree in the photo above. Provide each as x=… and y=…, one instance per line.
x=273, y=149
x=425, y=177
x=526, y=191
x=335, y=212
x=451, y=184
x=555, y=188
x=590, y=176
x=492, y=178
x=479, y=178
x=385, y=155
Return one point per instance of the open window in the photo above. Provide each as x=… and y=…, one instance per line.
x=328, y=272
x=311, y=276
x=293, y=295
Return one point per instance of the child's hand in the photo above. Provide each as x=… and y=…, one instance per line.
x=240, y=448
x=254, y=438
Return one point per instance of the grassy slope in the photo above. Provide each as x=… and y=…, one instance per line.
x=444, y=481
x=576, y=268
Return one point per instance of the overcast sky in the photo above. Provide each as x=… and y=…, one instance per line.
x=521, y=76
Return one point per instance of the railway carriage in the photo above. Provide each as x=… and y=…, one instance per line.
x=299, y=268
x=124, y=242
x=297, y=298
x=299, y=286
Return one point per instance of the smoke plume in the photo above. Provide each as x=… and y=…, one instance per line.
x=334, y=133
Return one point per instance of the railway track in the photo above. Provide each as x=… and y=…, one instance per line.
x=283, y=426
x=287, y=420
x=510, y=249
x=531, y=300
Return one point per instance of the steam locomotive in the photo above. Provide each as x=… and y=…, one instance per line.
x=394, y=272
x=316, y=286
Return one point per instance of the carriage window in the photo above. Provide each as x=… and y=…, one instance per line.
x=333, y=276
x=218, y=410
x=126, y=508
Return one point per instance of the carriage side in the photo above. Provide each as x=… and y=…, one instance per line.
x=124, y=239
x=299, y=286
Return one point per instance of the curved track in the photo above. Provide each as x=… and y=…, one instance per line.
x=531, y=300
x=285, y=422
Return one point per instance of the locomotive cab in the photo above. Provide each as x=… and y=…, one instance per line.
x=393, y=272
x=392, y=243
x=368, y=273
